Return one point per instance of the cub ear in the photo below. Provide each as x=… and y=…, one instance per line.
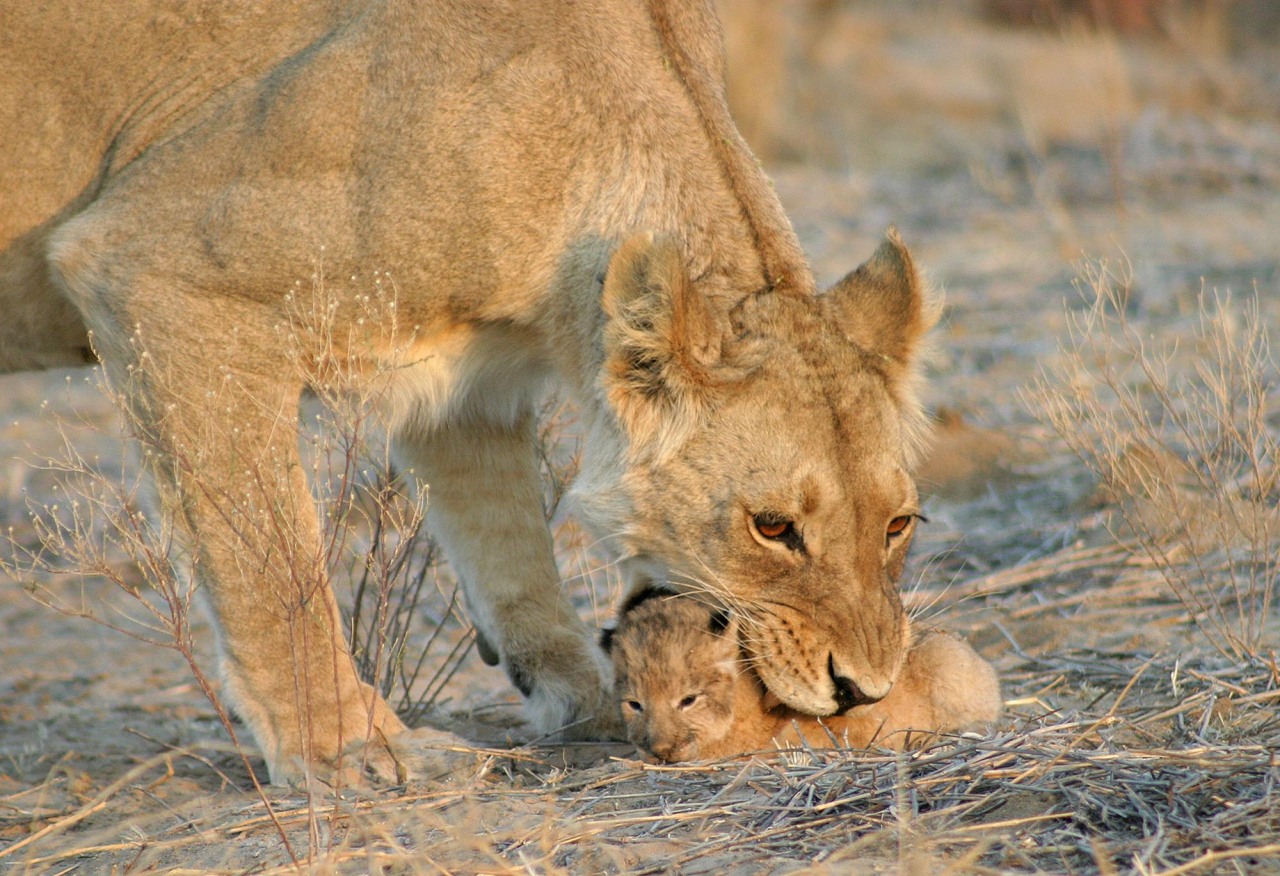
x=882, y=306
x=661, y=342
x=641, y=596
x=724, y=625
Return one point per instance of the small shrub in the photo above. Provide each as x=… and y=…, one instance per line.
x=1185, y=441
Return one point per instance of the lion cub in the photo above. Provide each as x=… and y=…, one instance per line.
x=686, y=694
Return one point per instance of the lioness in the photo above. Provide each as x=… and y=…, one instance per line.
x=558, y=192
x=685, y=693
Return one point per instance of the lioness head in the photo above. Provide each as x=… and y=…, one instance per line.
x=769, y=450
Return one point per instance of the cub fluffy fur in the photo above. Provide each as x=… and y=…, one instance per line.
x=686, y=694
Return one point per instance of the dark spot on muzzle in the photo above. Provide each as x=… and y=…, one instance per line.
x=848, y=694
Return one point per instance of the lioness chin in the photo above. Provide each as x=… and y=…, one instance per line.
x=557, y=193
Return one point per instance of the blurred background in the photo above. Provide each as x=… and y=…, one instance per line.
x=1010, y=140
x=842, y=83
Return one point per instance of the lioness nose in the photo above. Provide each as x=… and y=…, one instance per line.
x=848, y=694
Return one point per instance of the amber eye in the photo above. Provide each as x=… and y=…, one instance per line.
x=634, y=706
x=898, y=525
x=767, y=527
x=688, y=701
x=772, y=528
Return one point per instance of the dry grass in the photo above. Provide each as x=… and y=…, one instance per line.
x=1129, y=745
x=1170, y=769
x=1183, y=437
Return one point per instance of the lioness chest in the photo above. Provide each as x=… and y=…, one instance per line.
x=486, y=373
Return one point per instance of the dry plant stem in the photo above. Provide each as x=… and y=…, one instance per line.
x=94, y=805
x=391, y=597
x=1187, y=452
x=103, y=798
x=103, y=510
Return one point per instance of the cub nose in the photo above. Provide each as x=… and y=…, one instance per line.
x=669, y=753
x=848, y=694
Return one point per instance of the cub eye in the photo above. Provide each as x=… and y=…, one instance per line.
x=688, y=701
x=634, y=706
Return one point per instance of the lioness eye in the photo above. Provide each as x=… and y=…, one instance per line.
x=688, y=701
x=773, y=528
x=634, y=706
x=898, y=525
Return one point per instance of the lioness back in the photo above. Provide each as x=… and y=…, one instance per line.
x=685, y=694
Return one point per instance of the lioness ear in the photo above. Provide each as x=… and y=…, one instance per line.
x=661, y=342
x=882, y=305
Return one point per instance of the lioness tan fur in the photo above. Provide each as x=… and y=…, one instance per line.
x=685, y=693
x=555, y=190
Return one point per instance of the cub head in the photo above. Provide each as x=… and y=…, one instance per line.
x=768, y=442
x=676, y=664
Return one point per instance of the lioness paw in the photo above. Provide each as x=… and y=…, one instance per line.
x=567, y=687
x=428, y=755
x=421, y=755
x=963, y=687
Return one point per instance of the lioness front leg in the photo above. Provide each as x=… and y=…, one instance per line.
x=219, y=430
x=486, y=508
x=228, y=465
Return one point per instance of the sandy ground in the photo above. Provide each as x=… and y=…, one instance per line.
x=1004, y=157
